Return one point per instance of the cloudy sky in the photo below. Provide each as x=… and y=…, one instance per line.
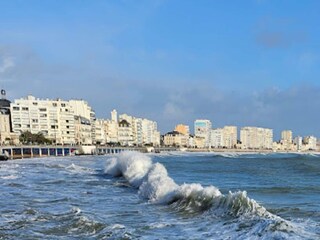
x=244, y=63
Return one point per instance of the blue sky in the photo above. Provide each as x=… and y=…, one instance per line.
x=243, y=63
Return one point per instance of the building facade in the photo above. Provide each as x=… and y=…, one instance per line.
x=53, y=118
x=256, y=138
x=202, y=129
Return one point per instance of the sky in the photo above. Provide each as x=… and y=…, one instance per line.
x=243, y=63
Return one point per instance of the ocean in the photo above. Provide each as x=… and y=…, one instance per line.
x=162, y=196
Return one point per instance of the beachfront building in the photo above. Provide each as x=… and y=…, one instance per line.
x=202, y=129
x=132, y=131
x=229, y=139
x=310, y=143
x=100, y=132
x=286, y=140
x=176, y=139
x=217, y=138
x=125, y=133
x=183, y=129
x=53, y=118
x=83, y=110
x=82, y=130
x=256, y=138
x=298, y=143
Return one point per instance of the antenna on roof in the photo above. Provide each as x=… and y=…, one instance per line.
x=3, y=94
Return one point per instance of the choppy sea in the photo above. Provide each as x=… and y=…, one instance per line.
x=162, y=196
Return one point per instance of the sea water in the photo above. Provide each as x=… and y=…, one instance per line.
x=162, y=196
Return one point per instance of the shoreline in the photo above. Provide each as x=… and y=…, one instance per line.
x=39, y=151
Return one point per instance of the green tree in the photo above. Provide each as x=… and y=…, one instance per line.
x=27, y=137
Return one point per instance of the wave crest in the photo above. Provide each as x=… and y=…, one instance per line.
x=154, y=184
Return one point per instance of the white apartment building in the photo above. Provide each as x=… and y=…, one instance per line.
x=81, y=108
x=286, y=140
x=150, y=134
x=83, y=130
x=202, y=129
x=125, y=133
x=141, y=131
x=298, y=142
x=53, y=118
x=217, y=138
x=256, y=138
x=100, y=131
x=230, y=136
x=310, y=143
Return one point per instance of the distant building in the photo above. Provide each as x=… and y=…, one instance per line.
x=229, y=136
x=142, y=131
x=256, y=138
x=176, y=139
x=183, y=129
x=310, y=143
x=286, y=140
x=298, y=143
x=217, y=138
x=100, y=132
x=202, y=129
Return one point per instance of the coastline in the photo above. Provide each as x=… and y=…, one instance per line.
x=36, y=151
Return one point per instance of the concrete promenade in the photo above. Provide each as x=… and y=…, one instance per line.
x=33, y=151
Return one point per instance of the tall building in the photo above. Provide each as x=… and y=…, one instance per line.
x=298, y=142
x=141, y=131
x=286, y=140
x=310, y=143
x=53, y=118
x=217, y=138
x=256, y=138
x=202, y=129
x=84, y=111
x=100, y=131
x=230, y=136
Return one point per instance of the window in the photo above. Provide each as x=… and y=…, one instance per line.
x=34, y=120
x=16, y=108
x=35, y=103
x=54, y=104
x=67, y=121
x=42, y=109
x=63, y=104
x=25, y=109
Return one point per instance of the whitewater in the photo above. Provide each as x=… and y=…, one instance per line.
x=162, y=196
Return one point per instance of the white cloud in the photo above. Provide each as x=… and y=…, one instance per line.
x=7, y=63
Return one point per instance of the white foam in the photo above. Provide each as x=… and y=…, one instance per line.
x=158, y=186
x=132, y=165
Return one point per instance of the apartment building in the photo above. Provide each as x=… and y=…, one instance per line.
x=53, y=118
x=202, y=129
x=256, y=138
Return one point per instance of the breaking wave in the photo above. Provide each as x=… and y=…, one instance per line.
x=155, y=185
